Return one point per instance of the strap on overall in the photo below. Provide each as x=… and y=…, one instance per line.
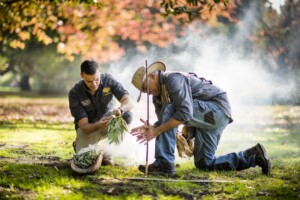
x=164, y=93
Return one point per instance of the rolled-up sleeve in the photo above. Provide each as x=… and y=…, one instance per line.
x=181, y=95
x=75, y=106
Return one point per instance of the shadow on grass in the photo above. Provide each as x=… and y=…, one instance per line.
x=54, y=178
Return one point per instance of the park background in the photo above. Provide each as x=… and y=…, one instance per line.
x=251, y=49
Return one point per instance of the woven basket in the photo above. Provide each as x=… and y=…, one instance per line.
x=89, y=170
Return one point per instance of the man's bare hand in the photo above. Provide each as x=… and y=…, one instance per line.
x=144, y=133
x=103, y=122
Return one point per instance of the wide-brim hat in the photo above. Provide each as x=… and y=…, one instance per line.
x=140, y=75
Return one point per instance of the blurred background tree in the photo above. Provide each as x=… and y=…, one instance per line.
x=41, y=42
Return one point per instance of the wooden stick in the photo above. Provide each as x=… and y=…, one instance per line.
x=178, y=180
x=147, y=146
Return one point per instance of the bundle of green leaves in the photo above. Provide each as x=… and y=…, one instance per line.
x=116, y=128
x=86, y=159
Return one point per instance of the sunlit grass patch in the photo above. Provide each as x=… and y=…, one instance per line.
x=36, y=142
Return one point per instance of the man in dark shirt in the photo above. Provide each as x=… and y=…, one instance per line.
x=183, y=98
x=92, y=105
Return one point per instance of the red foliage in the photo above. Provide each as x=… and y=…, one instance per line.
x=93, y=31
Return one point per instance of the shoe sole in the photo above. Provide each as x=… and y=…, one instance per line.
x=262, y=149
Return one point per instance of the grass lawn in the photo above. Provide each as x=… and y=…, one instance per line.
x=35, y=150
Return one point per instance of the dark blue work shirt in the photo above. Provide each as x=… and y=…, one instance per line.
x=83, y=104
x=183, y=88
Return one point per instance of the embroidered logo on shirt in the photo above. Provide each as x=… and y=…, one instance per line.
x=86, y=102
x=106, y=91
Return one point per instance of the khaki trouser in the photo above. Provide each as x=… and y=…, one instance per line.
x=84, y=139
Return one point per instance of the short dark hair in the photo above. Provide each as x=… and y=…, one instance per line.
x=89, y=67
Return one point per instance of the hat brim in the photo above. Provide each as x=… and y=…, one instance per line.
x=156, y=66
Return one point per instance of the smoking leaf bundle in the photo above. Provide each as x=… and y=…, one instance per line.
x=86, y=159
x=116, y=128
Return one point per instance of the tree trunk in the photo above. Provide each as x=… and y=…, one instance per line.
x=24, y=83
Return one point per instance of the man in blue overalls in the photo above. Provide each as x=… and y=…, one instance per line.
x=183, y=98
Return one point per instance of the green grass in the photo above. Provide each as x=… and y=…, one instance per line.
x=35, y=156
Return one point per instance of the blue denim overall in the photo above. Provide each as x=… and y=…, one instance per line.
x=207, y=136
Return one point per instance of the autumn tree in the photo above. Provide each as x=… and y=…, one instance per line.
x=26, y=28
x=104, y=30
x=78, y=29
x=101, y=31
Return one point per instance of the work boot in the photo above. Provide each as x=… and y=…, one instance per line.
x=154, y=170
x=261, y=158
